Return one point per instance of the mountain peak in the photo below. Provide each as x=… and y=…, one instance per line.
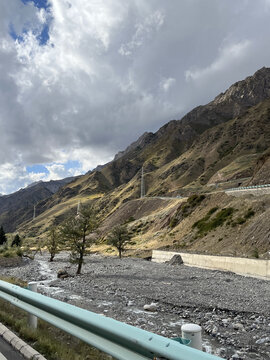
x=247, y=92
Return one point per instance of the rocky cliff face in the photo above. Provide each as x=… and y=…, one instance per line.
x=143, y=140
x=234, y=102
x=177, y=136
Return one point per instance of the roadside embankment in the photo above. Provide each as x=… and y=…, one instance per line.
x=242, y=266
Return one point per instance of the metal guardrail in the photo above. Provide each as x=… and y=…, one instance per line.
x=120, y=340
x=248, y=187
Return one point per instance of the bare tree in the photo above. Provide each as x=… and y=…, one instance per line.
x=119, y=238
x=78, y=234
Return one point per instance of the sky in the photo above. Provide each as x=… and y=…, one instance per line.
x=80, y=80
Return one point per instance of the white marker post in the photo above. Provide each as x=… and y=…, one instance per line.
x=32, y=319
x=193, y=333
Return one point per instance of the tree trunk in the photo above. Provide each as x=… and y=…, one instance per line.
x=80, y=262
x=120, y=253
x=52, y=257
x=79, y=267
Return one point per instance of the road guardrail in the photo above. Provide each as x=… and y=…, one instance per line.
x=120, y=340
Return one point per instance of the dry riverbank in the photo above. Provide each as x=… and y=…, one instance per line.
x=233, y=310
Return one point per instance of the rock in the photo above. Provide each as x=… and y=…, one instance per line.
x=151, y=307
x=238, y=326
x=263, y=340
x=175, y=260
x=221, y=352
x=214, y=330
x=225, y=322
x=62, y=274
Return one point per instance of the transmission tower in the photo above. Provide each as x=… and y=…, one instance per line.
x=142, y=185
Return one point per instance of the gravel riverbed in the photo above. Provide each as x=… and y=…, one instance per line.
x=233, y=310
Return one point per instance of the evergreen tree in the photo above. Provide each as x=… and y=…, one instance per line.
x=16, y=241
x=79, y=233
x=119, y=238
x=53, y=242
x=3, y=238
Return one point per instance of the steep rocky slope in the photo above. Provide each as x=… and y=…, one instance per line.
x=175, y=138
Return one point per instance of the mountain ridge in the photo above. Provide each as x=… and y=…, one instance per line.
x=20, y=203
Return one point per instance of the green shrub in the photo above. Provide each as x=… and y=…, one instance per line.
x=240, y=220
x=207, y=224
x=213, y=210
x=8, y=254
x=195, y=199
x=173, y=222
x=192, y=202
x=130, y=219
x=249, y=213
x=255, y=253
x=19, y=252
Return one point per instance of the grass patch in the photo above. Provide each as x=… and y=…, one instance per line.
x=249, y=213
x=192, y=202
x=173, y=222
x=209, y=223
x=53, y=343
x=130, y=219
x=241, y=220
x=255, y=253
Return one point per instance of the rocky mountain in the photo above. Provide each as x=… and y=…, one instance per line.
x=18, y=207
x=215, y=146
x=157, y=150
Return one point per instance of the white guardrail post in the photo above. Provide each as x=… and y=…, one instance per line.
x=193, y=333
x=32, y=319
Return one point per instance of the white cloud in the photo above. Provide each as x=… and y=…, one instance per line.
x=10, y=173
x=228, y=56
x=144, y=32
x=112, y=70
x=166, y=84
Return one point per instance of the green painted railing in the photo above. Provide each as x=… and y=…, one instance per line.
x=113, y=337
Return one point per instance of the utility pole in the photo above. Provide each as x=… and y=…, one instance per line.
x=34, y=215
x=142, y=185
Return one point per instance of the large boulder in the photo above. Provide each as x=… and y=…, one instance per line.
x=151, y=307
x=62, y=274
x=175, y=260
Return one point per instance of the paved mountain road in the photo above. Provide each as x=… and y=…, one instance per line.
x=7, y=352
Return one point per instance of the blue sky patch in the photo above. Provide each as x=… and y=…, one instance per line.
x=72, y=164
x=38, y=3
x=42, y=35
x=37, y=169
x=13, y=34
